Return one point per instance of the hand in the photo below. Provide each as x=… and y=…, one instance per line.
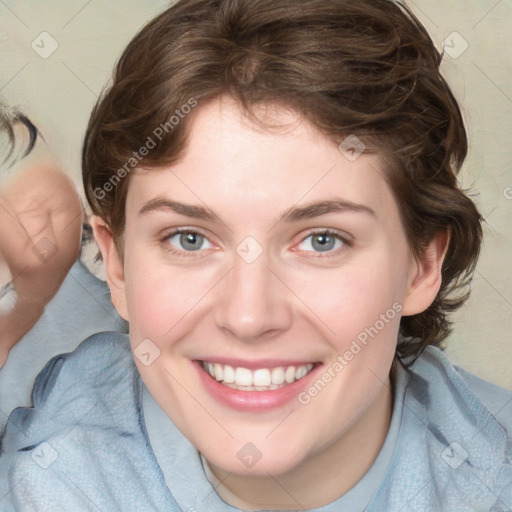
x=40, y=229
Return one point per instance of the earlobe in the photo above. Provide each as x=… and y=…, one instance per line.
x=426, y=275
x=114, y=267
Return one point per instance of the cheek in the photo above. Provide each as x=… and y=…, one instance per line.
x=162, y=299
x=352, y=298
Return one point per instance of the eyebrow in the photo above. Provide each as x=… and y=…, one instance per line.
x=293, y=214
x=324, y=207
x=188, y=210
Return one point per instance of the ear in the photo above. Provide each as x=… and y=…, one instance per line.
x=425, y=275
x=114, y=266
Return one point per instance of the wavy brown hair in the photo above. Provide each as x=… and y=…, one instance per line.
x=364, y=67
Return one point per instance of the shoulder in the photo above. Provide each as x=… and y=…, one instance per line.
x=495, y=398
x=451, y=383
x=454, y=449
x=87, y=379
x=468, y=431
x=84, y=440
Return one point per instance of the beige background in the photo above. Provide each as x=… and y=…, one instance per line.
x=59, y=91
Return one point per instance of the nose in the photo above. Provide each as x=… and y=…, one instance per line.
x=253, y=303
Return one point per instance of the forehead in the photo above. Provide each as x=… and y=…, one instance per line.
x=232, y=164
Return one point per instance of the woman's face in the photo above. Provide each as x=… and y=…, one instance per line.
x=253, y=270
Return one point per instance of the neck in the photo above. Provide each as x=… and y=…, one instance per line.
x=341, y=466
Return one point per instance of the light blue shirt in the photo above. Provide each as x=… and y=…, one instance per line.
x=80, y=308
x=85, y=444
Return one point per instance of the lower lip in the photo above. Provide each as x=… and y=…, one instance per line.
x=253, y=401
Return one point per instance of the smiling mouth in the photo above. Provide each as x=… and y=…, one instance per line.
x=262, y=379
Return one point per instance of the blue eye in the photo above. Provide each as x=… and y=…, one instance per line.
x=321, y=242
x=188, y=241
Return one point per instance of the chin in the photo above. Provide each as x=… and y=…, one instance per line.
x=257, y=458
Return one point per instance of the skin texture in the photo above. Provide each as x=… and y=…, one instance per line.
x=291, y=303
x=40, y=228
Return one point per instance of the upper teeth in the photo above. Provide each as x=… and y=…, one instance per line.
x=263, y=377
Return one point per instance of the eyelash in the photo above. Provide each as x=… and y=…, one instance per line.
x=168, y=247
x=326, y=232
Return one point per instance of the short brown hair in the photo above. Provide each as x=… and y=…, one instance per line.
x=363, y=67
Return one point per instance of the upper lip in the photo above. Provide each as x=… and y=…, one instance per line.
x=255, y=365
